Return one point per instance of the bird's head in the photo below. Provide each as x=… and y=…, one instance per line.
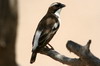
x=55, y=7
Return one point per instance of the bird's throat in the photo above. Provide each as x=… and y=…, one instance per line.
x=57, y=13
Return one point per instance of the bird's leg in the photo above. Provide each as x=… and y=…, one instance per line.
x=50, y=46
x=47, y=47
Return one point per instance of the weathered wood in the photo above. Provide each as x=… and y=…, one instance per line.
x=84, y=53
x=86, y=58
x=8, y=28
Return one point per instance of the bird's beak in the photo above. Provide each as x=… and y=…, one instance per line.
x=63, y=5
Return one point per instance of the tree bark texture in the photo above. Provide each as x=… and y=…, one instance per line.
x=8, y=28
x=86, y=58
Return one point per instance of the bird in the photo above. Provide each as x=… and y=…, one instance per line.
x=46, y=29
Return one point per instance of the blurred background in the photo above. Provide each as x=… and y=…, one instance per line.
x=80, y=21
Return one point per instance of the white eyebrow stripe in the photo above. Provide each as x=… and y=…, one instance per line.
x=36, y=39
x=53, y=4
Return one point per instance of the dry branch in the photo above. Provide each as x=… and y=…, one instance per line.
x=86, y=58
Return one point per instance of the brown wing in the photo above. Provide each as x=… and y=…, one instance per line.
x=48, y=32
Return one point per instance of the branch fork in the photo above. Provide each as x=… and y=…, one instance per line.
x=86, y=58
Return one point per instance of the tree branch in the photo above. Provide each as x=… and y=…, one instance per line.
x=58, y=57
x=86, y=58
x=84, y=53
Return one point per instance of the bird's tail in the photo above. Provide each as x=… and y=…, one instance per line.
x=33, y=57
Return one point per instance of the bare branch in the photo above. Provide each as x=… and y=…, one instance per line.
x=86, y=57
x=84, y=53
x=58, y=57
